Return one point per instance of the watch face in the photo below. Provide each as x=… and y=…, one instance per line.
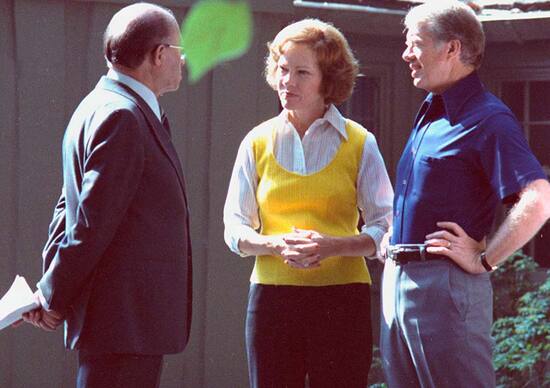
x=483, y=259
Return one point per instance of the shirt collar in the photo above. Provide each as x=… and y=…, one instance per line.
x=332, y=116
x=142, y=90
x=457, y=95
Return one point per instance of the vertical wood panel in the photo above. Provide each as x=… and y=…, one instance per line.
x=40, y=65
x=8, y=183
x=237, y=88
x=79, y=34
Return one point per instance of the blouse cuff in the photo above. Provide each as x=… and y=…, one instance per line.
x=233, y=238
x=377, y=234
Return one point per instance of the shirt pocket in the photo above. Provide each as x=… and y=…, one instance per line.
x=439, y=180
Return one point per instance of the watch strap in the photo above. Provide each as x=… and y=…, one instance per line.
x=484, y=263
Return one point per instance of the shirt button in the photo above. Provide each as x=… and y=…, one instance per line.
x=404, y=181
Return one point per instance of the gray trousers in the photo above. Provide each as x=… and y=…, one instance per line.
x=436, y=326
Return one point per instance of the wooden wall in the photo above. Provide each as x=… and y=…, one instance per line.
x=50, y=57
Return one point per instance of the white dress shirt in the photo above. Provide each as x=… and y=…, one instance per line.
x=306, y=156
x=142, y=90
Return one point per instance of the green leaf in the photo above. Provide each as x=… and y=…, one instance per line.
x=213, y=32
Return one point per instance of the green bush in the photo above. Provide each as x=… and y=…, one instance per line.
x=522, y=324
x=511, y=281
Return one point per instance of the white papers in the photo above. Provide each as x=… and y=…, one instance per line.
x=18, y=300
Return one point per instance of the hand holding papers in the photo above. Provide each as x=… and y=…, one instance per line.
x=18, y=300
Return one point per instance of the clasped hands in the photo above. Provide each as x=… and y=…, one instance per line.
x=304, y=249
x=44, y=319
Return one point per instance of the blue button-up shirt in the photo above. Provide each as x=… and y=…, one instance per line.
x=466, y=152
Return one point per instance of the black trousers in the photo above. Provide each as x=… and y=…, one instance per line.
x=118, y=370
x=322, y=332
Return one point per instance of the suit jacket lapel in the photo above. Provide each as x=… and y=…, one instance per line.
x=161, y=134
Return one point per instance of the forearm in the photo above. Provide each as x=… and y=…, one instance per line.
x=305, y=248
x=255, y=244
x=522, y=223
x=360, y=245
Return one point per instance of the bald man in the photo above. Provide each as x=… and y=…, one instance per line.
x=117, y=264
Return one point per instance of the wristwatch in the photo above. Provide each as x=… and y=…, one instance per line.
x=487, y=266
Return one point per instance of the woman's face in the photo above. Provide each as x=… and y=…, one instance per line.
x=299, y=78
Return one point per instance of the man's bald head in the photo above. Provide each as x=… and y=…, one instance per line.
x=134, y=31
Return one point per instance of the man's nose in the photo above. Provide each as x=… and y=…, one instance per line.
x=406, y=55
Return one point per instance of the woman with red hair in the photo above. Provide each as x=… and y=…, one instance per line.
x=300, y=182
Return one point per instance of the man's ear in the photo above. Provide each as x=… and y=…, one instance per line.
x=157, y=54
x=454, y=47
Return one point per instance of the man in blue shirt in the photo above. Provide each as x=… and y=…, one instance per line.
x=466, y=153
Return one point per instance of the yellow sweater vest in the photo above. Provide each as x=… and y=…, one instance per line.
x=325, y=201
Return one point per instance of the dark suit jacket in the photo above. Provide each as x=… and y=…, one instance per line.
x=117, y=262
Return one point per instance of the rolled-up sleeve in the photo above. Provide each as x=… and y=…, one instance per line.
x=374, y=193
x=240, y=214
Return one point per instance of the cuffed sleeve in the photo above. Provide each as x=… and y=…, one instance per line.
x=240, y=213
x=374, y=193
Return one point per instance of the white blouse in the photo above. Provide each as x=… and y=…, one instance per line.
x=306, y=156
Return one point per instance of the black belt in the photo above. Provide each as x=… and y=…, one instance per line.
x=403, y=253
